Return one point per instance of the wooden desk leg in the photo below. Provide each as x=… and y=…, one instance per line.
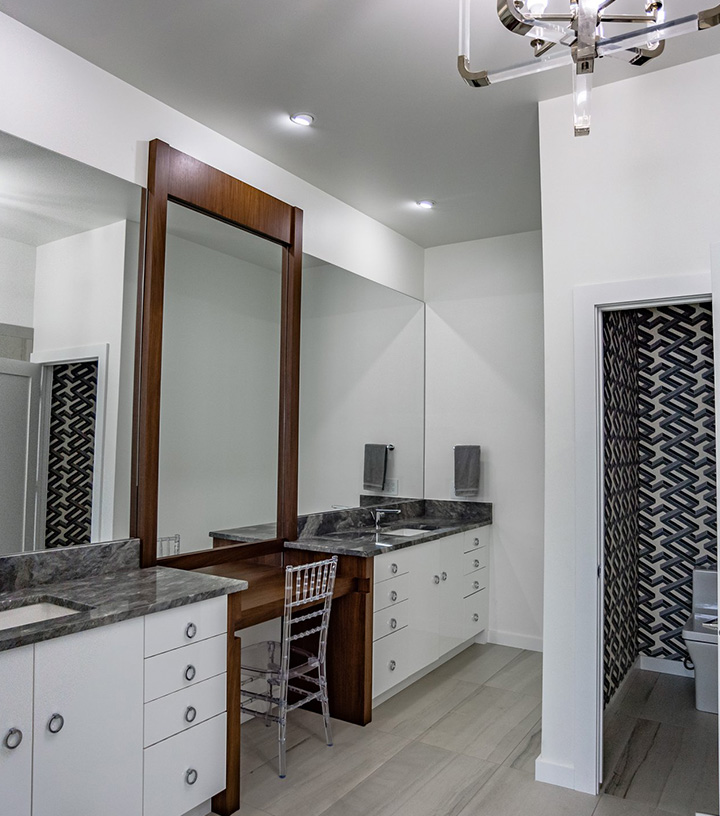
x=350, y=651
x=227, y=802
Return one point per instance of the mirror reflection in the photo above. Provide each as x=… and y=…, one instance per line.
x=68, y=278
x=362, y=374
x=220, y=381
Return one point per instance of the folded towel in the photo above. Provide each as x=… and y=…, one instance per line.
x=467, y=470
x=375, y=467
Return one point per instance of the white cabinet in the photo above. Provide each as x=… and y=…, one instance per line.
x=16, y=692
x=429, y=599
x=88, y=725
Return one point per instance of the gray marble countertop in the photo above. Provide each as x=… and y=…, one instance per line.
x=109, y=598
x=366, y=543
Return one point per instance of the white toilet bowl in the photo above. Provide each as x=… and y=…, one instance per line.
x=700, y=634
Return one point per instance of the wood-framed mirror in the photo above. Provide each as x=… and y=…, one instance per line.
x=219, y=255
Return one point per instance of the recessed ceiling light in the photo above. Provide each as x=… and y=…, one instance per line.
x=304, y=119
x=426, y=204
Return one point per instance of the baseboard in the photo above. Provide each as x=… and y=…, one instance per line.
x=554, y=773
x=517, y=641
x=663, y=666
x=201, y=810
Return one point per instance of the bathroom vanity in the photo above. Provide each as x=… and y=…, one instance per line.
x=118, y=705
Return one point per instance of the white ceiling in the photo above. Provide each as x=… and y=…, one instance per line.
x=395, y=122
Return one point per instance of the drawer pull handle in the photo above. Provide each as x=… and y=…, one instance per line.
x=444, y=576
x=476, y=584
x=476, y=542
x=393, y=596
x=476, y=563
x=476, y=617
x=392, y=665
x=190, y=672
x=393, y=623
x=191, y=776
x=13, y=738
x=190, y=631
x=56, y=723
x=190, y=714
x=436, y=579
x=394, y=568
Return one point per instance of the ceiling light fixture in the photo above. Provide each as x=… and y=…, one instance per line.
x=425, y=204
x=578, y=33
x=304, y=119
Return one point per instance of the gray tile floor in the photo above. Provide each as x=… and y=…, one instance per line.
x=460, y=742
x=660, y=752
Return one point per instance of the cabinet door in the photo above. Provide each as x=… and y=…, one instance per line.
x=16, y=683
x=88, y=729
x=425, y=593
x=451, y=566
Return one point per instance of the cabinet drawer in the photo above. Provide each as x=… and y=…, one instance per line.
x=390, y=620
x=184, y=709
x=181, y=668
x=474, y=539
x=392, y=564
x=388, y=593
x=185, y=624
x=391, y=661
x=474, y=560
x=171, y=787
x=474, y=582
x=475, y=614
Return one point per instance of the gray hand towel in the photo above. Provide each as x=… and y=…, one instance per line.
x=467, y=470
x=375, y=467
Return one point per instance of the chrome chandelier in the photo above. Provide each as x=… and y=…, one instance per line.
x=578, y=34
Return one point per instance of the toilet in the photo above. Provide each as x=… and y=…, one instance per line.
x=700, y=634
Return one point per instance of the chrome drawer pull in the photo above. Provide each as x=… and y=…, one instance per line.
x=436, y=579
x=191, y=776
x=476, y=584
x=190, y=672
x=190, y=631
x=393, y=623
x=476, y=617
x=392, y=665
x=190, y=714
x=476, y=563
x=56, y=723
x=393, y=596
x=476, y=542
x=444, y=576
x=394, y=568
x=13, y=738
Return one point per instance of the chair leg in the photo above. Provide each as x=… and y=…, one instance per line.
x=325, y=704
x=282, y=723
x=269, y=705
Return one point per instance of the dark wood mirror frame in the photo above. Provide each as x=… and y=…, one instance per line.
x=175, y=176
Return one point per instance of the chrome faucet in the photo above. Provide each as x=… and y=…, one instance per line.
x=378, y=514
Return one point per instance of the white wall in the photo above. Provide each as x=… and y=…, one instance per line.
x=485, y=386
x=79, y=295
x=83, y=112
x=637, y=199
x=17, y=282
x=220, y=385
x=361, y=381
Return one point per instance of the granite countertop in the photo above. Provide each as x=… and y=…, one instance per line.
x=365, y=543
x=109, y=598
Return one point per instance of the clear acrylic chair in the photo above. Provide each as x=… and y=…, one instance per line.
x=308, y=597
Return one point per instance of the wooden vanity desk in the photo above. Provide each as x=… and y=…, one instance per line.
x=349, y=660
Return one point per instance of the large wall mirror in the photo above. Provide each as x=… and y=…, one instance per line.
x=217, y=365
x=68, y=276
x=362, y=381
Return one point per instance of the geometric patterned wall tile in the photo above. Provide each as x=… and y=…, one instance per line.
x=677, y=481
x=621, y=457
x=71, y=454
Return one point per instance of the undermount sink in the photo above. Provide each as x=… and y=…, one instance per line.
x=34, y=612
x=405, y=532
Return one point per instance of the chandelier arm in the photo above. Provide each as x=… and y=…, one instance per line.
x=518, y=23
x=639, y=56
x=640, y=39
x=709, y=18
